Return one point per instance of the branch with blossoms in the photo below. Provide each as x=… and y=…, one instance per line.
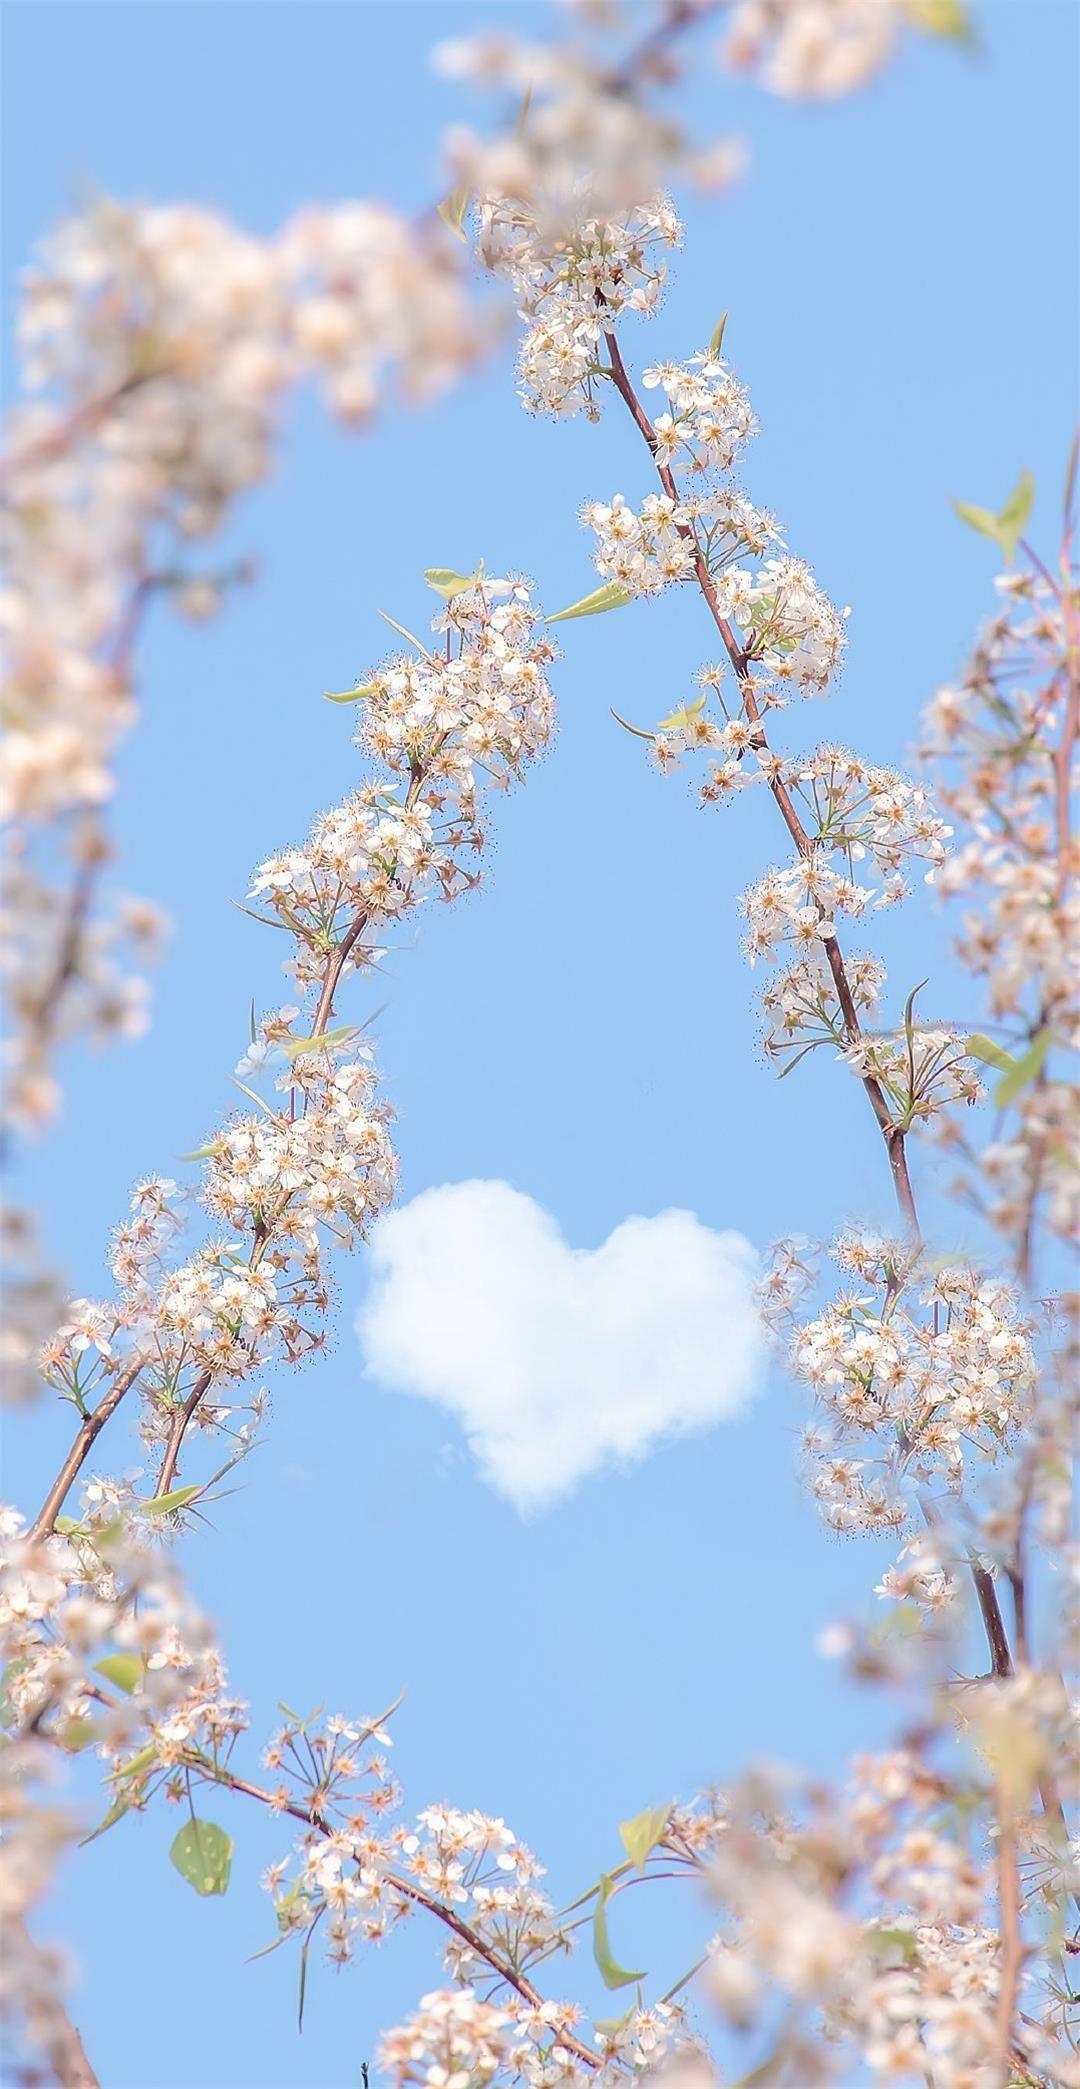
x=105, y=1651
x=310, y=1172
x=865, y=1908
x=159, y=348
x=931, y=1375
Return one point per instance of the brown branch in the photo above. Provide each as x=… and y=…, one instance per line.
x=649, y=55
x=1063, y=753
x=82, y=420
x=43, y=1017
x=501, y=1967
x=1012, y=1949
x=335, y=966
x=178, y=1431
x=997, y=1637
x=92, y=1426
x=891, y=1133
x=56, y=2034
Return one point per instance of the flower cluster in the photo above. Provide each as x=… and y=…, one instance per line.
x=588, y=143
x=354, y=1875
x=358, y=1875
x=855, y=817
x=439, y=723
x=921, y=1069
x=792, y=630
x=995, y=737
x=801, y=1008
x=288, y=1183
x=916, y=1377
x=453, y=2041
x=102, y=1651
x=158, y=345
x=642, y=551
x=33, y=1304
x=709, y=416
x=814, y=49
x=569, y=289
x=1005, y=743
x=471, y=1860
x=879, y=1933
x=95, y=1594
x=790, y=633
x=908, y=1987
x=284, y=1184
x=798, y=906
x=291, y=1181
x=67, y=972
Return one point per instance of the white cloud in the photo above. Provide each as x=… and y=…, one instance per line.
x=557, y=1359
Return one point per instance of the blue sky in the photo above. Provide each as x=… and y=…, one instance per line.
x=899, y=274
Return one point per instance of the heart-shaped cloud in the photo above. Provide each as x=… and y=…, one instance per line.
x=557, y=1359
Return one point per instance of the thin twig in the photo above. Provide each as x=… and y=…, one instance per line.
x=178, y=1431
x=60, y=2040
x=1012, y=1948
x=501, y=1967
x=891, y=1133
x=86, y=1437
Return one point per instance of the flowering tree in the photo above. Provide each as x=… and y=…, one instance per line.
x=914, y=1923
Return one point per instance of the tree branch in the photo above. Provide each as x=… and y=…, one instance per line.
x=890, y=1132
x=60, y=2040
x=501, y=1967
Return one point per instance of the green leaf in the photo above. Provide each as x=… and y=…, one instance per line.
x=410, y=635
x=454, y=210
x=254, y=1097
x=102, y=1535
x=947, y=18
x=898, y=1946
x=684, y=716
x=716, y=338
x=610, y=596
x=610, y=2026
x=11, y=1674
x=982, y=519
x=984, y=1048
x=304, y=1949
x=1007, y=527
x=1023, y=1071
x=909, y=1010
x=612, y=1975
x=348, y=696
x=140, y=1762
x=628, y=728
x=283, y=1910
x=116, y=1813
x=1012, y=520
x=125, y=1670
x=447, y=583
x=167, y=1504
x=202, y=1854
x=266, y=920
x=642, y=1834
x=296, y=1047
x=201, y=1153
x=77, y=1735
